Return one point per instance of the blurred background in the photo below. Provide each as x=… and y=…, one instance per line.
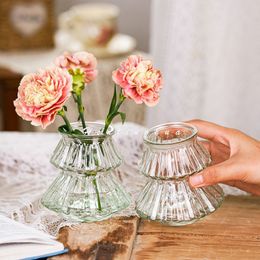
x=208, y=52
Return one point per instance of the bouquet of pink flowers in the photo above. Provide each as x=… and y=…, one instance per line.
x=43, y=95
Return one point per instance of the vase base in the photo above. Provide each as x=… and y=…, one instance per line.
x=165, y=222
x=175, y=203
x=174, y=223
x=86, y=199
x=81, y=216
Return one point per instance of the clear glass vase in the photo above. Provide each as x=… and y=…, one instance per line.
x=87, y=188
x=172, y=153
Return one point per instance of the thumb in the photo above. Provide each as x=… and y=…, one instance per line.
x=222, y=172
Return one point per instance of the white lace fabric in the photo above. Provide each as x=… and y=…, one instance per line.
x=26, y=173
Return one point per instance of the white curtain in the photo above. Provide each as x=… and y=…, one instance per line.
x=209, y=53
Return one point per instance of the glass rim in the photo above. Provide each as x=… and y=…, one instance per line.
x=187, y=126
x=110, y=131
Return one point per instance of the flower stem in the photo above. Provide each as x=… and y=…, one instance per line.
x=64, y=117
x=107, y=123
x=98, y=196
x=113, y=111
x=81, y=110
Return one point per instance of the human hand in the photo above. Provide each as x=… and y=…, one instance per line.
x=235, y=158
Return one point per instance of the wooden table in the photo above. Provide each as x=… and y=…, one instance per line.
x=232, y=232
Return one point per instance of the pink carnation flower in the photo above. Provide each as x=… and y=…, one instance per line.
x=139, y=80
x=83, y=61
x=41, y=95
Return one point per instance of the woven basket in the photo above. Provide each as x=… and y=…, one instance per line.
x=26, y=24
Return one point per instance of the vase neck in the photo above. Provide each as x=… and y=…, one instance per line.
x=92, y=132
x=170, y=136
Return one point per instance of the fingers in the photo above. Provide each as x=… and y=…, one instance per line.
x=222, y=172
x=211, y=131
x=237, y=156
x=224, y=135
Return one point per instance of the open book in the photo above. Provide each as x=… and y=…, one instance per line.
x=18, y=241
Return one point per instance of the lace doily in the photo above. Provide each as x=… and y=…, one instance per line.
x=26, y=173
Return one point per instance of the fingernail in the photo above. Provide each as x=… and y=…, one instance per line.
x=196, y=180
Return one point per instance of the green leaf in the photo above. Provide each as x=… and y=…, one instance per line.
x=113, y=101
x=122, y=115
x=77, y=132
x=65, y=108
x=63, y=129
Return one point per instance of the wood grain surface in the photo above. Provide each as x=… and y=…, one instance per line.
x=106, y=240
x=232, y=232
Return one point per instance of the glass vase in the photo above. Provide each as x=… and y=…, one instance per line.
x=172, y=153
x=86, y=188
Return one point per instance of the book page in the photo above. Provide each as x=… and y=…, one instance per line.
x=20, y=241
x=15, y=232
x=19, y=251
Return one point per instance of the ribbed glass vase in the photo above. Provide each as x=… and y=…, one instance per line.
x=87, y=188
x=172, y=153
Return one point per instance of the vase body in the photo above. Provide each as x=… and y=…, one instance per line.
x=171, y=154
x=86, y=188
